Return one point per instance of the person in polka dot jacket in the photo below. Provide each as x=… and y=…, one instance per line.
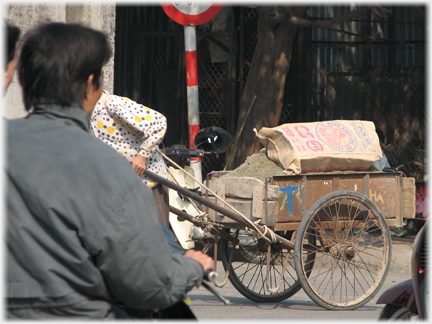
x=134, y=131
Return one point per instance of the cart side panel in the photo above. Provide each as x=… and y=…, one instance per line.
x=245, y=207
x=249, y=196
x=298, y=193
x=409, y=197
x=302, y=192
x=241, y=187
x=386, y=192
x=282, y=203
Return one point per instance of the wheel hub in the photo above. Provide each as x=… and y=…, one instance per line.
x=262, y=245
x=342, y=251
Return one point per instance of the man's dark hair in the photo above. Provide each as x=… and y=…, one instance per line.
x=12, y=36
x=56, y=60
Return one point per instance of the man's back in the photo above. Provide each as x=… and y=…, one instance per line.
x=77, y=214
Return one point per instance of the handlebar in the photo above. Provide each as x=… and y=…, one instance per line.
x=210, y=275
x=182, y=151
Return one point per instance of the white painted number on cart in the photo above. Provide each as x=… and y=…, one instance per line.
x=376, y=196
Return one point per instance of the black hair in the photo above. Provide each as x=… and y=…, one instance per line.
x=56, y=60
x=12, y=36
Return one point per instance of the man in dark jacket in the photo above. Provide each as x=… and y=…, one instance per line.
x=78, y=244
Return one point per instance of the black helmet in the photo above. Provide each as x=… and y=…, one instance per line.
x=213, y=139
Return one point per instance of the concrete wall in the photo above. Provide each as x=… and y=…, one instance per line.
x=99, y=16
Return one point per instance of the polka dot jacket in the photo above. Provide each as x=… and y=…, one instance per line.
x=131, y=129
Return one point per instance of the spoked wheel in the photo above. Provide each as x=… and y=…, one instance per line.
x=352, y=250
x=254, y=275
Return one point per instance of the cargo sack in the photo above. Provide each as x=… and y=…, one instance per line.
x=336, y=145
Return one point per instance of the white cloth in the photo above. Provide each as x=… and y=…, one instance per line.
x=383, y=163
x=131, y=129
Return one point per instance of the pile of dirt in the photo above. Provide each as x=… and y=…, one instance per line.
x=257, y=166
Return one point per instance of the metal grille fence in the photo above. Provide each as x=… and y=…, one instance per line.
x=395, y=106
x=249, y=37
x=373, y=70
x=150, y=69
x=216, y=58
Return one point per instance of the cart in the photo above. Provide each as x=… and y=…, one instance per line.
x=325, y=233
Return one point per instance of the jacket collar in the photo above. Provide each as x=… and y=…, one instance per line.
x=74, y=113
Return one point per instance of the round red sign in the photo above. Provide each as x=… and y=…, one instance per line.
x=191, y=13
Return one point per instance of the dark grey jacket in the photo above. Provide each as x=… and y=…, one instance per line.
x=82, y=230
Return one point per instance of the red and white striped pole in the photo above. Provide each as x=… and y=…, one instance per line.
x=192, y=95
x=191, y=14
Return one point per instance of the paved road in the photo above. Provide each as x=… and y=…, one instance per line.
x=299, y=307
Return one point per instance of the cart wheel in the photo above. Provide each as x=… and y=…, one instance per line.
x=248, y=269
x=352, y=250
